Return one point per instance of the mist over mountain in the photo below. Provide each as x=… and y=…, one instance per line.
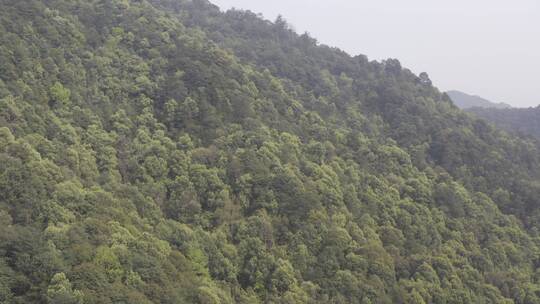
x=162, y=151
x=466, y=101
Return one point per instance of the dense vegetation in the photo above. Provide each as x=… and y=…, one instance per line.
x=522, y=121
x=164, y=152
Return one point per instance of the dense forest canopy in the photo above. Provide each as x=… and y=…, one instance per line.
x=162, y=151
x=521, y=121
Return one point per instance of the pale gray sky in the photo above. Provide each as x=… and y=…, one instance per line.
x=489, y=48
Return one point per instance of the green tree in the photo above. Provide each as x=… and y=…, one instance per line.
x=60, y=291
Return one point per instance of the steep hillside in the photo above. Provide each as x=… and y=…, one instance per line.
x=466, y=101
x=525, y=121
x=407, y=109
x=165, y=152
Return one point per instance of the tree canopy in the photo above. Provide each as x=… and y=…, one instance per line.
x=162, y=151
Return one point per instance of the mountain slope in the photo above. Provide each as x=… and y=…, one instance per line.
x=522, y=121
x=418, y=117
x=466, y=101
x=164, y=152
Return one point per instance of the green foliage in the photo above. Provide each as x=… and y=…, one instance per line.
x=59, y=95
x=61, y=292
x=165, y=152
x=514, y=120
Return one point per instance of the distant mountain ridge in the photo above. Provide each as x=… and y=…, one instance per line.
x=466, y=101
x=524, y=121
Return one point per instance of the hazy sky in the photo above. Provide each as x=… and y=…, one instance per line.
x=489, y=48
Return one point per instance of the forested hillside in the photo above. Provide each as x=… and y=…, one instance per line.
x=161, y=151
x=524, y=121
